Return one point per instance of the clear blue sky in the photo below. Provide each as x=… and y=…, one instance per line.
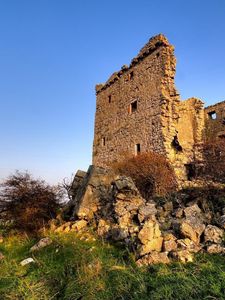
x=53, y=52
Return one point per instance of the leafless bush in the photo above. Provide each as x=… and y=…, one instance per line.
x=29, y=202
x=151, y=173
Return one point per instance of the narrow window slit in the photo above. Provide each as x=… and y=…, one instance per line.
x=133, y=107
x=137, y=149
x=103, y=141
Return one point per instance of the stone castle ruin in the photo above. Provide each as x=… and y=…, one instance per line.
x=139, y=110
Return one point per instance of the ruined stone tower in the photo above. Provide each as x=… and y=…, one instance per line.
x=139, y=110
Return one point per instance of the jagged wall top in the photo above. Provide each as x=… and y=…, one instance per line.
x=153, y=44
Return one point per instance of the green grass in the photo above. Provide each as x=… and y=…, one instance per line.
x=72, y=268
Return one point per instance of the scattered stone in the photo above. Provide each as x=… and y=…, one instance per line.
x=170, y=245
x=41, y=244
x=213, y=234
x=192, y=211
x=168, y=206
x=169, y=237
x=192, y=229
x=27, y=261
x=64, y=227
x=146, y=211
x=124, y=183
x=215, y=248
x=183, y=256
x=189, y=245
x=103, y=228
x=118, y=233
x=153, y=245
x=179, y=213
x=153, y=258
x=78, y=225
x=67, y=229
x=53, y=224
x=149, y=231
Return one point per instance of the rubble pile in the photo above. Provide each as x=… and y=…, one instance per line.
x=158, y=230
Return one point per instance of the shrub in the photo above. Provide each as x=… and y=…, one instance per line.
x=213, y=161
x=151, y=173
x=28, y=202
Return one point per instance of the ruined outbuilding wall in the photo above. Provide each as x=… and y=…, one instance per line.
x=139, y=110
x=215, y=121
x=190, y=129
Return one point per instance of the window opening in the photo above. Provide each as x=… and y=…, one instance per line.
x=133, y=107
x=103, y=141
x=137, y=149
x=175, y=144
x=212, y=115
x=131, y=75
x=190, y=171
x=110, y=98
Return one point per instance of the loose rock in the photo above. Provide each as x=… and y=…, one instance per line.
x=213, y=234
x=41, y=244
x=27, y=261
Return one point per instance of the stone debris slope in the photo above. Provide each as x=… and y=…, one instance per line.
x=158, y=230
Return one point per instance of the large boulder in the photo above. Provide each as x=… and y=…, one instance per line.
x=192, y=227
x=89, y=192
x=101, y=193
x=150, y=237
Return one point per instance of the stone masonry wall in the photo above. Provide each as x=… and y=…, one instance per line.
x=139, y=110
x=215, y=121
x=189, y=127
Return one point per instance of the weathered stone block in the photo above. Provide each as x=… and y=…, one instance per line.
x=213, y=234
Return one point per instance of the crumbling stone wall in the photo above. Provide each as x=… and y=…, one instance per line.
x=139, y=109
x=215, y=121
x=189, y=132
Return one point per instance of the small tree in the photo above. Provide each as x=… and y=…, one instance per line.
x=29, y=202
x=151, y=173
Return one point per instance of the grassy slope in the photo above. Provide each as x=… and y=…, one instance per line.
x=73, y=268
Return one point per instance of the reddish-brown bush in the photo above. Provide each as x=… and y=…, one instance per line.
x=151, y=173
x=213, y=160
x=29, y=202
